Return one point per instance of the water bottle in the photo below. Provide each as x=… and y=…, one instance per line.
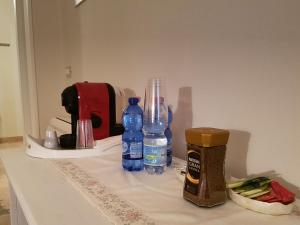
x=155, y=123
x=169, y=135
x=132, y=138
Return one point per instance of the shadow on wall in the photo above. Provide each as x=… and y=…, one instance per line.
x=182, y=119
x=122, y=96
x=236, y=154
x=128, y=93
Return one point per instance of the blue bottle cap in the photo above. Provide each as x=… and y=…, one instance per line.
x=133, y=100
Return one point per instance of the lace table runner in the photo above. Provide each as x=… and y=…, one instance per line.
x=111, y=205
x=137, y=198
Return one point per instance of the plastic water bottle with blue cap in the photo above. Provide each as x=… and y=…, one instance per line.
x=169, y=136
x=132, y=138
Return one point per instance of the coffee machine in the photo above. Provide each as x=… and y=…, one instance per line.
x=94, y=101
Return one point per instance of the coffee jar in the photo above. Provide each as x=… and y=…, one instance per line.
x=204, y=180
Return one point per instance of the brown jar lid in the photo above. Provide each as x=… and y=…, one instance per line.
x=206, y=136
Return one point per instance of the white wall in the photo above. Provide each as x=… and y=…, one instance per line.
x=11, y=123
x=48, y=50
x=228, y=64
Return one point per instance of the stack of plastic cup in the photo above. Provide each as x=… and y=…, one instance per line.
x=154, y=126
x=84, y=134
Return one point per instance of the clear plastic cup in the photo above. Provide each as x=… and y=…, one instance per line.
x=155, y=107
x=51, y=140
x=84, y=134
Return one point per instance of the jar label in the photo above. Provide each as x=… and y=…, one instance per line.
x=154, y=155
x=192, y=178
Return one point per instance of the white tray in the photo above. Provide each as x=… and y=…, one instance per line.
x=262, y=207
x=106, y=146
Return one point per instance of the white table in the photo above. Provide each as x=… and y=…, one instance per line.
x=42, y=195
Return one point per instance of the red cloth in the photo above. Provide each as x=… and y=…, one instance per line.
x=278, y=193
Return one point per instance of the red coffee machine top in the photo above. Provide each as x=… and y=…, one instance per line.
x=95, y=101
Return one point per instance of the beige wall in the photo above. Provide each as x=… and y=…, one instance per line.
x=11, y=123
x=228, y=64
x=47, y=35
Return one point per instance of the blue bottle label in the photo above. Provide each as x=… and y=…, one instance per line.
x=125, y=147
x=154, y=155
x=134, y=149
x=169, y=146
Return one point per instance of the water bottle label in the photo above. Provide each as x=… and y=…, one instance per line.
x=154, y=155
x=169, y=145
x=134, y=149
x=170, y=140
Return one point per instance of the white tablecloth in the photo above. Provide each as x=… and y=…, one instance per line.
x=138, y=198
